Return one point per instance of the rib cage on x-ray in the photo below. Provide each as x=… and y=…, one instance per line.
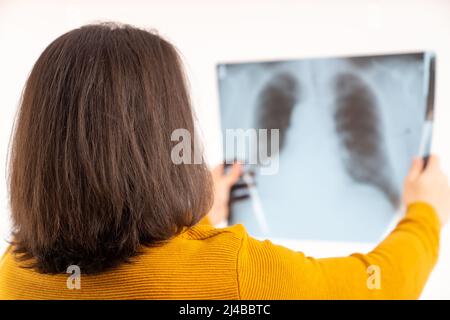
x=358, y=125
x=349, y=128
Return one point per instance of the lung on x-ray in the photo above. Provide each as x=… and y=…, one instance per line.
x=348, y=129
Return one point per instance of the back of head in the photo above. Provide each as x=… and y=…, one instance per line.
x=91, y=176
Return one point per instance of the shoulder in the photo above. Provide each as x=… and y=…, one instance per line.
x=199, y=246
x=203, y=259
x=204, y=232
x=208, y=239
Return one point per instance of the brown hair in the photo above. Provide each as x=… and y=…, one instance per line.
x=91, y=177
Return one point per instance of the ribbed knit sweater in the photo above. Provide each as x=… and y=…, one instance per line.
x=208, y=263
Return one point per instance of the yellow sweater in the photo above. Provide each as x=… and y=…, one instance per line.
x=209, y=263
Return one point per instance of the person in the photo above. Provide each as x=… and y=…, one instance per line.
x=100, y=210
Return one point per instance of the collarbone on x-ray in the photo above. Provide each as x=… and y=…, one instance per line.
x=348, y=129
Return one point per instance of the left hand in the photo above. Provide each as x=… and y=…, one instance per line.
x=222, y=185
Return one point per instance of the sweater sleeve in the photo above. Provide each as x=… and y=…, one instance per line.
x=396, y=269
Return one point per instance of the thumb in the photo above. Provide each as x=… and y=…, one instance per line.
x=433, y=163
x=234, y=174
x=416, y=169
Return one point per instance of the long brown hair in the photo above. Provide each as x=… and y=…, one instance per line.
x=91, y=177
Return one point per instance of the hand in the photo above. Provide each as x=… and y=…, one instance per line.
x=222, y=185
x=428, y=185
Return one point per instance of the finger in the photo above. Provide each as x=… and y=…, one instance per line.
x=416, y=169
x=228, y=163
x=234, y=174
x=433, y=163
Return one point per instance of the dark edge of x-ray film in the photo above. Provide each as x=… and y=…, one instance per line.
x=427, y=132
x=429, y=113
x=275, y=104
x=359, y=128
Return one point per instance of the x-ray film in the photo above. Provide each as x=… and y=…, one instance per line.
x=347, y=130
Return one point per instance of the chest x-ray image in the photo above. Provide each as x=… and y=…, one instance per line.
x=348, y=129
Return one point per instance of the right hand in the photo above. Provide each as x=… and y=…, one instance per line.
x=223, y=182
x=428, y=185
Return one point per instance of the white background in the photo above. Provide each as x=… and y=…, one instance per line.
x=207, y=32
